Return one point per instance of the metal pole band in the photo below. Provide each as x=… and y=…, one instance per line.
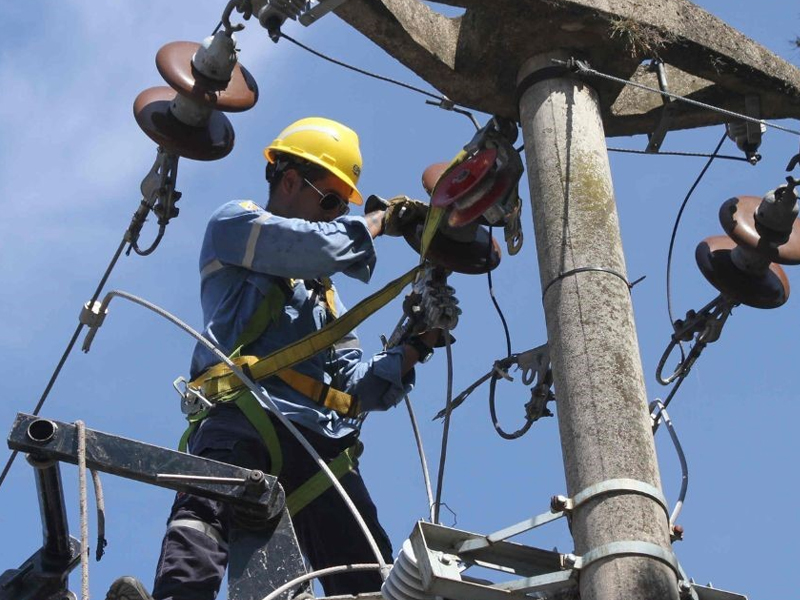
x=620, y=485
x=630, y=548
x=542, y=74
x=571, y=272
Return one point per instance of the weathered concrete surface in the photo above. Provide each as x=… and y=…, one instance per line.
x=474, y=59
x=602, y=402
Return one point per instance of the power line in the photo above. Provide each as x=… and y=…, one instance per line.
x=408, y=86
x=582, y=67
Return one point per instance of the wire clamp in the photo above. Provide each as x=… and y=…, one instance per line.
x=704, y=326
x=94, y=315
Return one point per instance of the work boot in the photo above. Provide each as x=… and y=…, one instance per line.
x=127, y=588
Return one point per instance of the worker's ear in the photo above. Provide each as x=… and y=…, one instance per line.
x=291, y=181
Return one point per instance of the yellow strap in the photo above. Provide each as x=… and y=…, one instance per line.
x=342, y=402
x=218, y=380
x=319, y=482
x=435, y=214
x=330, y=296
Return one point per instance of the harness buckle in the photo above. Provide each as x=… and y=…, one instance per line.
x=192, y=399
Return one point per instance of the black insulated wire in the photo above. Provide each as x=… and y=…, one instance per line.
x=437, y=504
x=677, y=223
x=493, y=412
x=407, y=86
x=496, y=304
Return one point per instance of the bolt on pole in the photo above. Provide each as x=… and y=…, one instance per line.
x=602, y=405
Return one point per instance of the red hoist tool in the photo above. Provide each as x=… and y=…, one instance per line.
x=478, y=189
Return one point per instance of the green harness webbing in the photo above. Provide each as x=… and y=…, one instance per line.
x=311, y=489
x=319, y=482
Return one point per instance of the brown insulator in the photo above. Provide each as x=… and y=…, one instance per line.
x=738, y=218
x=174, y=62
x=209, y=140
x=474, y=253
x=741, y=274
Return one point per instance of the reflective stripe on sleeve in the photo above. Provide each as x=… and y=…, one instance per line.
x=250, y=248
x=200, y=526
x=210, y=268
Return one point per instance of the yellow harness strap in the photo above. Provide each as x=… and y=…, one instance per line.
x=218, y=380
x=435, y=214
x=321, y=393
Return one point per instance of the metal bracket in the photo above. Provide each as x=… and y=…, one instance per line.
x=548, y=573
x=656, y=138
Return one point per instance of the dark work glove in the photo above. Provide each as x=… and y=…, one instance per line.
x=401, y=213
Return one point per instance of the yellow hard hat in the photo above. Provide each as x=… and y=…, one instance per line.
x=323, y=142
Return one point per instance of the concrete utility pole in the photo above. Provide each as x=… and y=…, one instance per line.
x=483, y=60
x=602, y=408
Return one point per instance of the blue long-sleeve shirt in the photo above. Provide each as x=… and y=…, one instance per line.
x=246, y=251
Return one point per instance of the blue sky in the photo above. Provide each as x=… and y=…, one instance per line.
x=72, y=158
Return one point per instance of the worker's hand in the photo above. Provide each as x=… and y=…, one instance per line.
x=401, y=213
x=439, y=315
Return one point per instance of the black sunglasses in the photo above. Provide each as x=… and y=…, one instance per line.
x=330, y=201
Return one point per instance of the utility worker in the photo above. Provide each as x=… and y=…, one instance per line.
x=286, y=252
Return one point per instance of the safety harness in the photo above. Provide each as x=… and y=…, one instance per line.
x=219, y=384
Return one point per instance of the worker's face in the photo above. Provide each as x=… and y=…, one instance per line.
x=306, y=195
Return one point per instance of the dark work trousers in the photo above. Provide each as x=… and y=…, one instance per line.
x=194, y=552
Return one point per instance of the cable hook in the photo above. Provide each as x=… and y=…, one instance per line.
x=242, y=6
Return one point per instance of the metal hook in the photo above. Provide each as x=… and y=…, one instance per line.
x=226, y=17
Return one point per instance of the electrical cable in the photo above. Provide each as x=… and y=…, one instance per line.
x=675, y=229
x=690, y=154
x=459, y=400
x=668, y=399
x=493, y=413
x=446, y=428
x=266, y=400
x=68, y=349
x=362, y=71
x=496, y=305
x=426, y=475
x=664, y=417
x=321, y=573
x=585, y=68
